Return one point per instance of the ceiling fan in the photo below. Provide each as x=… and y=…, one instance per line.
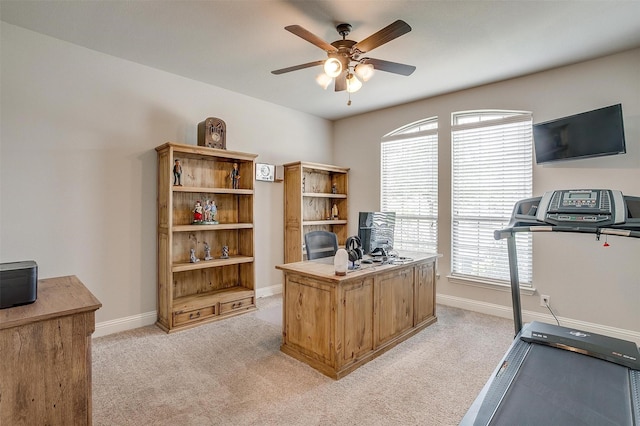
x=344, y=57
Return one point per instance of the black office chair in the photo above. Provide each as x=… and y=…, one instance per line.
x=320, y=244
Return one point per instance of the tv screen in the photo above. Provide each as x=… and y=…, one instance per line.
x=588, y=134
x=376, y=229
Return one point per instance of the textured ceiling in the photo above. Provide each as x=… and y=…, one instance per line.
x=235, y=44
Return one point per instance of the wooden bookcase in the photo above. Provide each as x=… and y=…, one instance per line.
x=310, y=192
x=192, y=293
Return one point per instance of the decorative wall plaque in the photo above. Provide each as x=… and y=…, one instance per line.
x=265, y=172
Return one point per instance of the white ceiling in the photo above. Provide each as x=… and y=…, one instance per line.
x=234, y=44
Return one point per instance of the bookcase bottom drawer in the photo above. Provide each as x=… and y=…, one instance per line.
x=236, y=305
x=181, y=317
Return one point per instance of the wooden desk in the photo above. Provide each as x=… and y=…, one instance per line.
x=338, y=323
x=45, y=356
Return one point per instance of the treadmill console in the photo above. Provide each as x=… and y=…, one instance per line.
x=600, y=207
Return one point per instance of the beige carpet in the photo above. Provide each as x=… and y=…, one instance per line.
x=232, y=372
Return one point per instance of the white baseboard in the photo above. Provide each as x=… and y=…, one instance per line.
x=269, y=291
x=127, y=323
x=528, y=316
x=148, y=318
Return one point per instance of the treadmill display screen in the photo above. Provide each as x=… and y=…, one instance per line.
x=587, y=199
x=581, y=195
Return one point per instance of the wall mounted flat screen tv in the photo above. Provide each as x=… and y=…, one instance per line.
x=588, y=134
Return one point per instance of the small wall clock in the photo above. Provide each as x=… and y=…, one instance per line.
x=265, y=172
x=212, y=133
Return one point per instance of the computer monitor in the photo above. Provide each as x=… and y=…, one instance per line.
x=375, y=230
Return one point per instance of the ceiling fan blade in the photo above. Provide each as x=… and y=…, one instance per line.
x=341, y=82
x=298, y=67
x=310, y=37
x=388, y=66
x=383, y=36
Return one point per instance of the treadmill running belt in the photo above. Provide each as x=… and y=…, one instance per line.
x=559, y=387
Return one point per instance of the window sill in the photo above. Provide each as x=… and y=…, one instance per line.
x=491, y=285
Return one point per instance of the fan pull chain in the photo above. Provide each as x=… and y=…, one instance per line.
x=349, y=101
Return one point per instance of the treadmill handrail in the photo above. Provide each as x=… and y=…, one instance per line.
x=621, y=232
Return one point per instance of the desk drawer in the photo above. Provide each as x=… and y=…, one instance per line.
x=182, y=317
x=236, y=305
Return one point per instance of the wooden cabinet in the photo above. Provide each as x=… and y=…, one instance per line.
x=338, y=323
x=356, y=319
x=191, y=293
x=312, y=194
x=45, y=347
x=425, y=292
x=394, y=303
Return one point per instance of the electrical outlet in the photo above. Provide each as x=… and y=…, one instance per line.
x=544, y=300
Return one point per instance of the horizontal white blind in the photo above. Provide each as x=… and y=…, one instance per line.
x=409, y=187
x=491, y=171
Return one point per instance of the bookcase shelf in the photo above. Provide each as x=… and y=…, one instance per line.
x=232, y=260
x=219, y=226
x=212, y=190
x=327, y=222
x=318, y=195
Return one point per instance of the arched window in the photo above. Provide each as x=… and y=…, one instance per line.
x=409, y=184
x=492, y=155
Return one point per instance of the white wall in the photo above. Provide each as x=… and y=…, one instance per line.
x=78, y=164
x=587, y=282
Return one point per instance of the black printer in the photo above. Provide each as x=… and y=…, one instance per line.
x=18, y=283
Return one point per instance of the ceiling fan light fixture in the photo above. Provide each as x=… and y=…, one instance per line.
x=364, y=71
x=344, y=58
x=353, y=84
x=333, y=67
x=323, y=80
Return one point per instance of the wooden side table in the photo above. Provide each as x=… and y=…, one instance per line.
x=45, y=356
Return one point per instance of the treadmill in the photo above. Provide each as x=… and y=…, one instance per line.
x=553, y=375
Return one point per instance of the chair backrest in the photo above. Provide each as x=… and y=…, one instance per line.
x=320, y=244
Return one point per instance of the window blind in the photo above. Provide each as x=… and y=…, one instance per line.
x=409, y=185
x=492, y=157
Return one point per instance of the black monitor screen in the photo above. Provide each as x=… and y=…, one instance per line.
x=376, y=230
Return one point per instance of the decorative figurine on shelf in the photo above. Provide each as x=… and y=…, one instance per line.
x=334, y=211
x=334, y=189
x=207, y=211
x=225, y=252
x=210, y=211
x=197, y=212
x=207, y=252
x=193, y=258
x=235, y=176
x=177, y=172
x=304, y=178
x=214, y=211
